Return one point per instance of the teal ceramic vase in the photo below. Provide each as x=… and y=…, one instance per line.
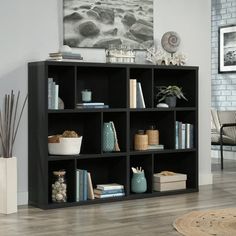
x=108, y=137
x=138, y=183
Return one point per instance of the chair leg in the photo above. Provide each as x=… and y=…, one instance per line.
x=221, y=157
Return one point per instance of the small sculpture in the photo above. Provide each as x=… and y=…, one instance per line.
x=170, y=41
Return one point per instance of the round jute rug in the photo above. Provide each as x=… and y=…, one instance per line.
x=220, y=222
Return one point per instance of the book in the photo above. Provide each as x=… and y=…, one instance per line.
x=89, y=103
x=191, y=136
x=176, y=135
x=187, y=136
x=85, y=185
x=81, y=186
x=90, y=187
x=183, y=136
x=109, y=195
x=130, y=94
x=140, y=99
x=155, y=146
x=110, y=186
x=77, y=185
x=133, y=93
x=56, y=94
x=92, y=106
x=180, y=134
x=109, y=191
x=50, y=84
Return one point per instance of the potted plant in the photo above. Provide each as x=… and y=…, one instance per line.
x=169, y=94
x=9, y=124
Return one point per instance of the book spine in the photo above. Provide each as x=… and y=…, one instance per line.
x=56, y=96
x=130, y=94
x=191, y=136
x=180, y=134
x=183, y=135
x=53, y=95
x=109, y=195
x=176, y=135
x=109, y=187
x=112, y=191
x=92, y=106
x=50, y=83
x=81, y=186
x=77, y=185
x=187, y=136
x=85, y=185
x=134, y=84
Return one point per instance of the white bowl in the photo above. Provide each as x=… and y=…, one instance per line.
x=66, y=146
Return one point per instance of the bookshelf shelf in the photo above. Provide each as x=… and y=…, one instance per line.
x=109, y=83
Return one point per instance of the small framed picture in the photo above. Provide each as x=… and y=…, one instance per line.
x=227, y=49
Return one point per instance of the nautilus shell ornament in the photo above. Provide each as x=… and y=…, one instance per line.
x=170, y=41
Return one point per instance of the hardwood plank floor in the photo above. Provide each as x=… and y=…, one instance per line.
x=153, y=216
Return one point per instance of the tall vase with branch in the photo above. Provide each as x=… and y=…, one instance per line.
x=9, y=122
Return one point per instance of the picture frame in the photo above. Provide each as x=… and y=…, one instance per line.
x=227, y=49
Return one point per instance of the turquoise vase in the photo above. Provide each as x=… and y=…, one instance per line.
x=108, y=137
x=138, y=183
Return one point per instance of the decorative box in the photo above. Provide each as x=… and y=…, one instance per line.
x=169, y=182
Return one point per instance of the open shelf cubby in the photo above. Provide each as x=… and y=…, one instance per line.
x=110, y=84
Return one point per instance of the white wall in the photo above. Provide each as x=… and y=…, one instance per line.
x=32, y=29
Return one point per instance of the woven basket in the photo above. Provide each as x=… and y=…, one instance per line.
x=153, y=137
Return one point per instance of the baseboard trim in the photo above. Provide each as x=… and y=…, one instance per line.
x=230, y=155
x=205, y=179
x=22, y=198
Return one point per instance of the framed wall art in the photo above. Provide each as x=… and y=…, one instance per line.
x=227, y=49
x=100, y=23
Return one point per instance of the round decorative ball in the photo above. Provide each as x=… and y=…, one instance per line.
x=170, y=41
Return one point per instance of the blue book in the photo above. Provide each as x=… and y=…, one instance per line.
x=85, y=185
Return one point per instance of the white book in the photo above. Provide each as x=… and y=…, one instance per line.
x=134, y=85
x=56, y=96
x=140, y=99
x=130, y=94
x=110, y=186
x=89, y=103
x=183, y=136
x=77, y=185
x=187, y=136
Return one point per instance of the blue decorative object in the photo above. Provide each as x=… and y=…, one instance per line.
x=108, y=137
x=138, y=183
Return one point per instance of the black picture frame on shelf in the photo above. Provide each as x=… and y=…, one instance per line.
x=227, y=49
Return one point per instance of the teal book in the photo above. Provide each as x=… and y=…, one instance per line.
x=77, y=185
x=85, y=185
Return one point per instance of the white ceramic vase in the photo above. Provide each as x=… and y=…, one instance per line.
x=8, y=185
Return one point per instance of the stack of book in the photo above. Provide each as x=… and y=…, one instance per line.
x=53, y=93
x=84, y=187
x=109, y=190
x=184, y=135
x=58, y=56
x=155, y=146
x=136, y=94
x=91, y=105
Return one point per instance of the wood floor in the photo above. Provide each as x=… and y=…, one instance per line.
x=149, y=217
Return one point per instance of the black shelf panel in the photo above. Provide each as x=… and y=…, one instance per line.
x=162, y=109
x=162, y=151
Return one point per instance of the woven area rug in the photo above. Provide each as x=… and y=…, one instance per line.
x=208, y=222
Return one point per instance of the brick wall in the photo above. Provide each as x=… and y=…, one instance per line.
x=223, y=85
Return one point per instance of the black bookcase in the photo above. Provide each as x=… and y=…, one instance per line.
x=110, y=84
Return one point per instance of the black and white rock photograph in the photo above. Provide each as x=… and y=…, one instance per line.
x=100, y=23
x=230, y=49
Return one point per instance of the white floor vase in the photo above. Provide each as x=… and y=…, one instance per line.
x=8, y=185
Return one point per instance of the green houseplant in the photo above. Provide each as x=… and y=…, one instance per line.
x=9, y=124
x=168, y=94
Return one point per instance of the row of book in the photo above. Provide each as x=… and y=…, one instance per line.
x=85, y=191
x=136, y=94
x=53, y=93
x=184, y=135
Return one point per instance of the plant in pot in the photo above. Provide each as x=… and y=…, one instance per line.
x=169, y=94
x=9, y=124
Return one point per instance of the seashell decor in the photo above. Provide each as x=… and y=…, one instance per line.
x=170, y=41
